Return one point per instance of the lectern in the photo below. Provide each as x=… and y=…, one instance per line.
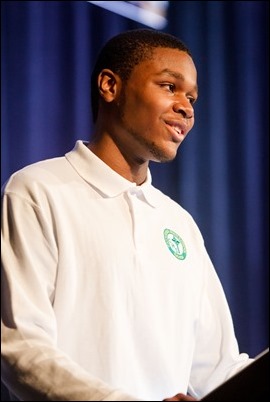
x=249, y=384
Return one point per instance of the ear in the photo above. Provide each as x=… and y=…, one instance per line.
x=108, y=84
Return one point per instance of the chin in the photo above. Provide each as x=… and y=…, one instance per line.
x=164, y=159
x=161, y=156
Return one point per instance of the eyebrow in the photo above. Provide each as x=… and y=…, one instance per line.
x=176, y=75
x=172, y=74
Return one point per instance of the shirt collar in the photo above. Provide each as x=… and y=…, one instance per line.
x=95, y=172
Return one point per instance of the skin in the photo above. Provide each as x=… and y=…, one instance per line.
x=181, y=397
x=137, y=119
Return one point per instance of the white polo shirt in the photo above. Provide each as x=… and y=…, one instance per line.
x=109, y=293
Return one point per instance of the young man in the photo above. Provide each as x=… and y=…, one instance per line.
x=108, y=291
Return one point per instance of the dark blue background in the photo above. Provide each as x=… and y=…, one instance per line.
x=221, y=173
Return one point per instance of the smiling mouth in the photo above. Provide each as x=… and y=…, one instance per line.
x=176, y=130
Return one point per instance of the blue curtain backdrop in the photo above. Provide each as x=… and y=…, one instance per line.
x=221, y=173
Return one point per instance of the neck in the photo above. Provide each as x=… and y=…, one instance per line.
x=130, y=168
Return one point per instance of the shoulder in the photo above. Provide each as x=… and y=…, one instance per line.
x=170, y=205
x=176, y=214
x=37, y=175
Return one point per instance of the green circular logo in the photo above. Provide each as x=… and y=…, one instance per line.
x=175, y=244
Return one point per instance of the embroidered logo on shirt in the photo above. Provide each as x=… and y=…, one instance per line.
x=175, y=244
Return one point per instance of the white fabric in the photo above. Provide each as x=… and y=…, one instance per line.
x=96, y=305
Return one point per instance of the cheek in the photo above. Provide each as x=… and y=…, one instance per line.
x=144, y=109
x=139, y=111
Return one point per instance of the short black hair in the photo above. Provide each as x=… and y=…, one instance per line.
x=127, y=49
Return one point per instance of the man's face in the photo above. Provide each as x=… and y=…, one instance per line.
x=156, y=106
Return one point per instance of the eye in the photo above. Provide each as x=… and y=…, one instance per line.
x=169, y=86
x=191, y=100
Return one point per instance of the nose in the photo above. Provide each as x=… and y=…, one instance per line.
x=184, y=108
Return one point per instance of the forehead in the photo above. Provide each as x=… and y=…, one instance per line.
x=166, y=61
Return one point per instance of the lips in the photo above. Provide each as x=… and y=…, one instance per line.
x=177, y=129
